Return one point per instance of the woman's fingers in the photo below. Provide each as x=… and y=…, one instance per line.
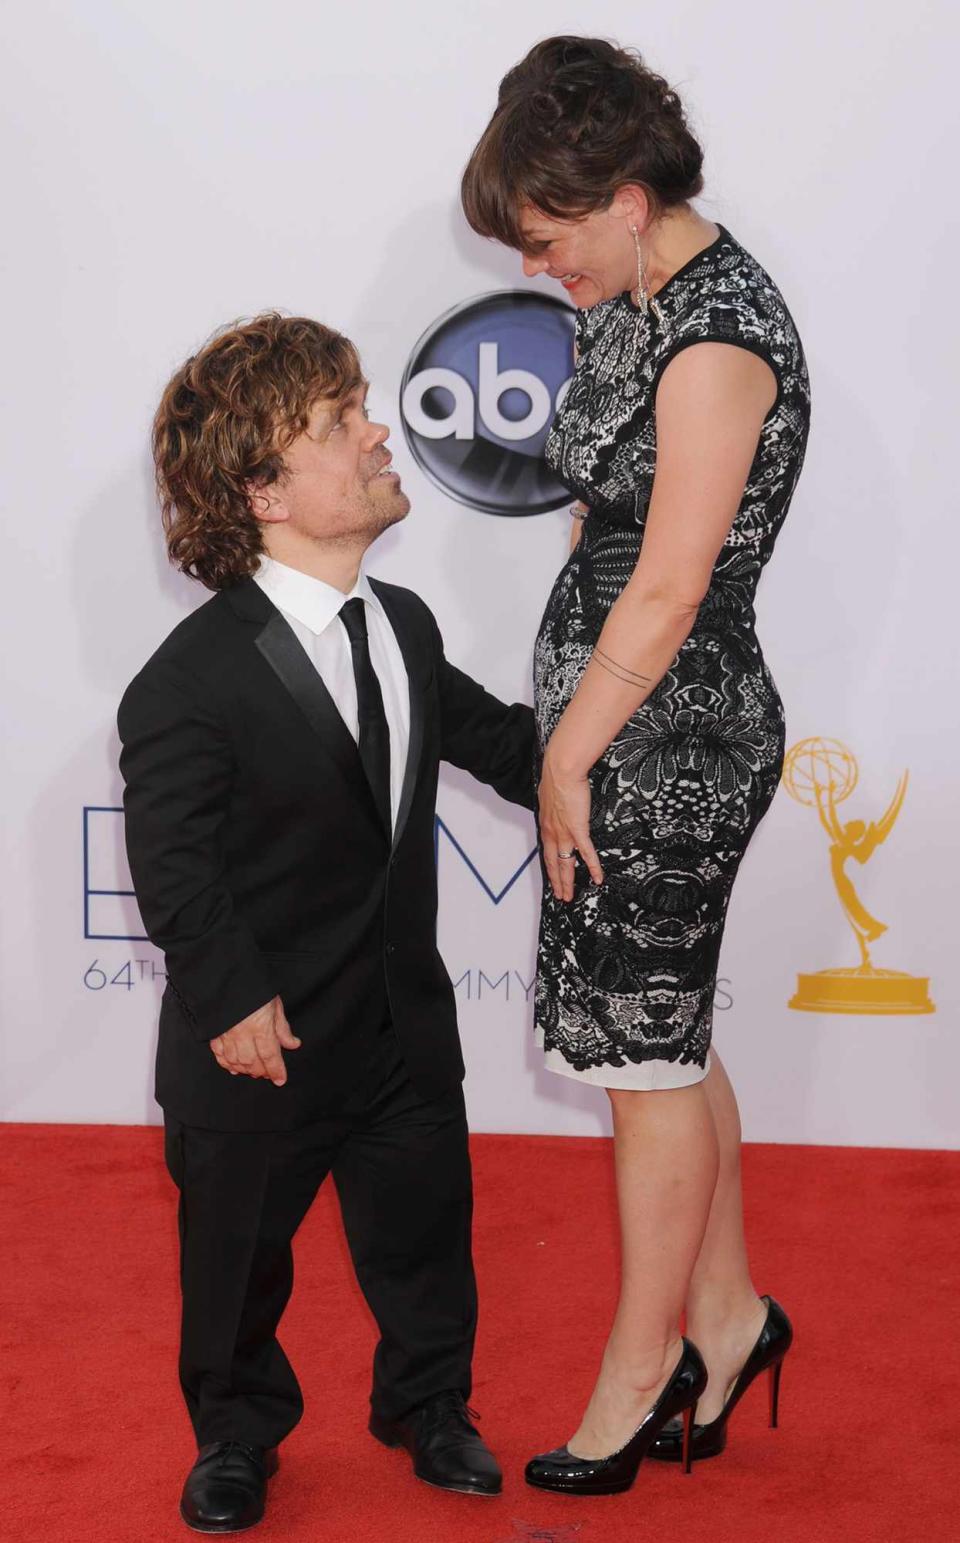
x=565, y=831
x=588, y=855
x=552, y=865
x=561, y=871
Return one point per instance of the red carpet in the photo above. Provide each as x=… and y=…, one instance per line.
x=860, y=1246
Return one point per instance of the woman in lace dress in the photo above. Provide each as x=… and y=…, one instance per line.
x=661, y=729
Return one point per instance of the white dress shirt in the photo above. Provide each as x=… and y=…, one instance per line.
x=312, y=608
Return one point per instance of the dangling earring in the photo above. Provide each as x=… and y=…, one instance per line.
x=642, y=293
x=645, y=301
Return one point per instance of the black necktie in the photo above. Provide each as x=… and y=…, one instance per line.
x=374, y=741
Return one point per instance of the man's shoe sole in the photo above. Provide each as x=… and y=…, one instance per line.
x=460, y=1489
x=217, y=1526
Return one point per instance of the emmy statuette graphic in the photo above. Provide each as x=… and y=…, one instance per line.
x=820, y=774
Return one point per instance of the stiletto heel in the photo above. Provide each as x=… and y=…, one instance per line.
x=774, y=1341
x=775, y=1371
x=687, y=1432
x=562, y=1470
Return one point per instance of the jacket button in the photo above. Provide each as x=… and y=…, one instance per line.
x=391, y=948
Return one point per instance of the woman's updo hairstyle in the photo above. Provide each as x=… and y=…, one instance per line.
x=576, y=120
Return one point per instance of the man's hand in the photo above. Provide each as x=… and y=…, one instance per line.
x=252, y=1048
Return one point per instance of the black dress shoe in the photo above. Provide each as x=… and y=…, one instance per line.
x=709, y=1440
x=562, y=1470
x=226, y=1489
x=446, y=1449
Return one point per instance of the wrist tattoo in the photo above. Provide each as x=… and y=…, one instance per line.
x=620, y=670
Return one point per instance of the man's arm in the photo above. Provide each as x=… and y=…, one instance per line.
x=178, y=768
x=483, y=736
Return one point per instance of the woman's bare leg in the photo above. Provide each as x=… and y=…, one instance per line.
x=724, y=1313
x=665, y=1149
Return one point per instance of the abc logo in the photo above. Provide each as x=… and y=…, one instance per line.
x=479, y=395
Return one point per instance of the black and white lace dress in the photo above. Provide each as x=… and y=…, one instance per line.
x=627, y=971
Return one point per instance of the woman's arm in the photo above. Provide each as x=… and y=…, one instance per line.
x=711, y=402
x=579, y=510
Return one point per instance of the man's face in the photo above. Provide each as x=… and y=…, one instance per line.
x=336, y=481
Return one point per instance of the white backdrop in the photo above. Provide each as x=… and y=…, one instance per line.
x=171, y=167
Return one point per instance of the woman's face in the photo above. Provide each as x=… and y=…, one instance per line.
x=593, y=258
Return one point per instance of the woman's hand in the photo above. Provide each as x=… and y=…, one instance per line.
x=565, y=827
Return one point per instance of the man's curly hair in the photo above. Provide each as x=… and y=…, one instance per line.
x=225, y=420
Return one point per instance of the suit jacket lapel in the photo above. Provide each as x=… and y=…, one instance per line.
x=286, y=656
x=282, y=650
x=417, y=662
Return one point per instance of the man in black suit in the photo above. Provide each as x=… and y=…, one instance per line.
x=280, y=755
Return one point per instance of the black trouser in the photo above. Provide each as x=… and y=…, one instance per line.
x=402, y=1171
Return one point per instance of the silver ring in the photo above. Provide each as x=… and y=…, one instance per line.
x=567, y=857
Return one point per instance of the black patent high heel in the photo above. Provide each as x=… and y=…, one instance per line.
x=775, y=1371
x=709, y=1440
x=561, y=1470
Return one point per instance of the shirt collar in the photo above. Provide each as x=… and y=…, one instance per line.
x=310, y=601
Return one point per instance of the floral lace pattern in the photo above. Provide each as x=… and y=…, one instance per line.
x=627, y=971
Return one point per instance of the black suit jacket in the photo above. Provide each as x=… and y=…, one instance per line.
x=262, y=867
